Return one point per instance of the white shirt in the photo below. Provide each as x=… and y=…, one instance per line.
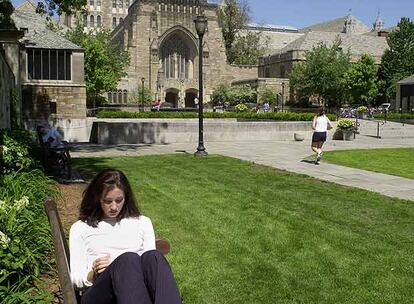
x=87, y=243
x=52, y=136
x=321, y=124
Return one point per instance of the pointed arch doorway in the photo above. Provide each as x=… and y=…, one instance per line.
x=190, y=96
x=171, y=98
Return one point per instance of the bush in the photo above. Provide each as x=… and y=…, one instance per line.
x=345, y=124
x=362, y=109
x=395, y=116
x=24, y=235
x=18, y=148
x=233, y=95
x=279, y=116
x=241, y=107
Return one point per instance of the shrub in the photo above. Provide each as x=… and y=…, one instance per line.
x=24, y=235
x=279, y=116
x=395, y=116
x=241, y=107
x=345, y=124
x=362, y=109
x=18, y=148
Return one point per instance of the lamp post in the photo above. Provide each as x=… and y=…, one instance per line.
x=142, y=93
x=283, y=94
x=201, y=26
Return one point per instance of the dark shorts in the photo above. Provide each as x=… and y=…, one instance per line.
x=319, y=136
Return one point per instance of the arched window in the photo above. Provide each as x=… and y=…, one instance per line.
x=91, y=21
x=110, y=97
x=85, y=20
x=121, y=19
x=91, y=2
x=98, y=21
x=114, y=97
x=120, y=3
x=113, y=3
x=113, y=22
x=119, y=96
x=127, y=3
x=176, y=58
x=125, y=96
x=98, y=3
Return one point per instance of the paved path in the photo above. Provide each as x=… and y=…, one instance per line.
x=286, y=155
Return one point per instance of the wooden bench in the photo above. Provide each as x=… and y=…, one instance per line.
x=70, y=295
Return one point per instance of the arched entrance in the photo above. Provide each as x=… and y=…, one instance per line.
x=171, y=98
x=190, y=95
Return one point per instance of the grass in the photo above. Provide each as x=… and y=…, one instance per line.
x=243, y=233
x=398, y=162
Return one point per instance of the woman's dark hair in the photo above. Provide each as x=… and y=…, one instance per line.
x=321, y=111
x=106, y=180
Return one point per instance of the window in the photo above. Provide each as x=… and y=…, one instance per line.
x=98, y=3
x=91, y=2
x=47, y=64
x=125, y=96
x=119, y=96
x=113, y=22
x=91, y=21
x=113, y=3
x=121, y=19
x=127, y=3
x=98, y=21
x=176, y=59
x=120, y=3
x=85, y=20
x=110, y=97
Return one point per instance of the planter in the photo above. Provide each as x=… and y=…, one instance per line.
x=348, y=134
x=299, y=137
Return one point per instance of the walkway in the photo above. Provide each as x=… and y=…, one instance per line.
x=286, y=155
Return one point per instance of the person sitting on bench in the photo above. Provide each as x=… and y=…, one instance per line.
x=50, y=136
x=112, y=248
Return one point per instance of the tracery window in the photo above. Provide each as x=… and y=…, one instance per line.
x=91, y=21
x=85, y=20
x=98, y=21
x=114, y=3
x=176, y=59
x=113, y=22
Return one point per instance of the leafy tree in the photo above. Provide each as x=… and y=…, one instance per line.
x=233, y=95
x=6, y=9
x=398, y=61
x=322, y=74
x=136, y=96
x=242, y=47
x=105, y=62
x=267, y=94
x=361, y=80
x=53, y=7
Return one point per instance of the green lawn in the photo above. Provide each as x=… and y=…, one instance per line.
x=390, y=161
x=243, y=233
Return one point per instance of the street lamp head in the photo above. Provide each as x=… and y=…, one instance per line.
x=143, y=79
x=200, y=25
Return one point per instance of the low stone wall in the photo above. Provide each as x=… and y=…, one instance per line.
x=164, y=131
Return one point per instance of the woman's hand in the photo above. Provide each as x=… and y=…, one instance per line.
x=100, y=264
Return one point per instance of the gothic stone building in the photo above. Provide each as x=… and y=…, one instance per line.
x=161, y=40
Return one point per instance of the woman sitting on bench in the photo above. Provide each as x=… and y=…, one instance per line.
x=112, y=248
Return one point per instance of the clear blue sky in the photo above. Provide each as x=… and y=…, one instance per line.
x=301, y=13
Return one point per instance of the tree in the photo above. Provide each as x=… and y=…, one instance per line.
x=6, y=10
x=361, y=80
x=53, y=7
x=322, y=74
x=242, y=47
x=105, y=62
x=398, y=61
x=135, y=96
x=267, y=94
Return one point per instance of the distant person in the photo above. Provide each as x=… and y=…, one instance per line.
x=112, y=248
x=50, y=136
x=266, y=107
x=157, y=104
x=321, y=124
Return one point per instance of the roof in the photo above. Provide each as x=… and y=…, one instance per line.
x=357, y=44
x=271, y=27
x=337, y=26
x=408, y=80
x=38, y=34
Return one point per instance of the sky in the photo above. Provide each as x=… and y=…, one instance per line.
x=302, y=13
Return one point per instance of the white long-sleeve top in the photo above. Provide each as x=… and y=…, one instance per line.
x=87, y=243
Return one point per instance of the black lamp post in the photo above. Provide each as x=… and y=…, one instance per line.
x=283, y=95
x=201, y=26
x=142, y=93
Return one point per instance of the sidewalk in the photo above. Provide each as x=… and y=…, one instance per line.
x=286, y=155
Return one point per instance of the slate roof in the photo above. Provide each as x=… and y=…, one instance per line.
x=408, y=80
x=38, y=35
x=337, y=26
x=357, y=44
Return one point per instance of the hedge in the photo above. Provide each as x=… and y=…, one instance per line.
x=278, y=116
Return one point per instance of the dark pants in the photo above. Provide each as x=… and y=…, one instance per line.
x=131, y=278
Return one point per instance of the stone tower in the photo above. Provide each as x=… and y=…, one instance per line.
x=350, y=22
x=378, y=24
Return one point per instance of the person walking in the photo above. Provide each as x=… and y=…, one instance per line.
x=112, y=248
x=321, y=124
